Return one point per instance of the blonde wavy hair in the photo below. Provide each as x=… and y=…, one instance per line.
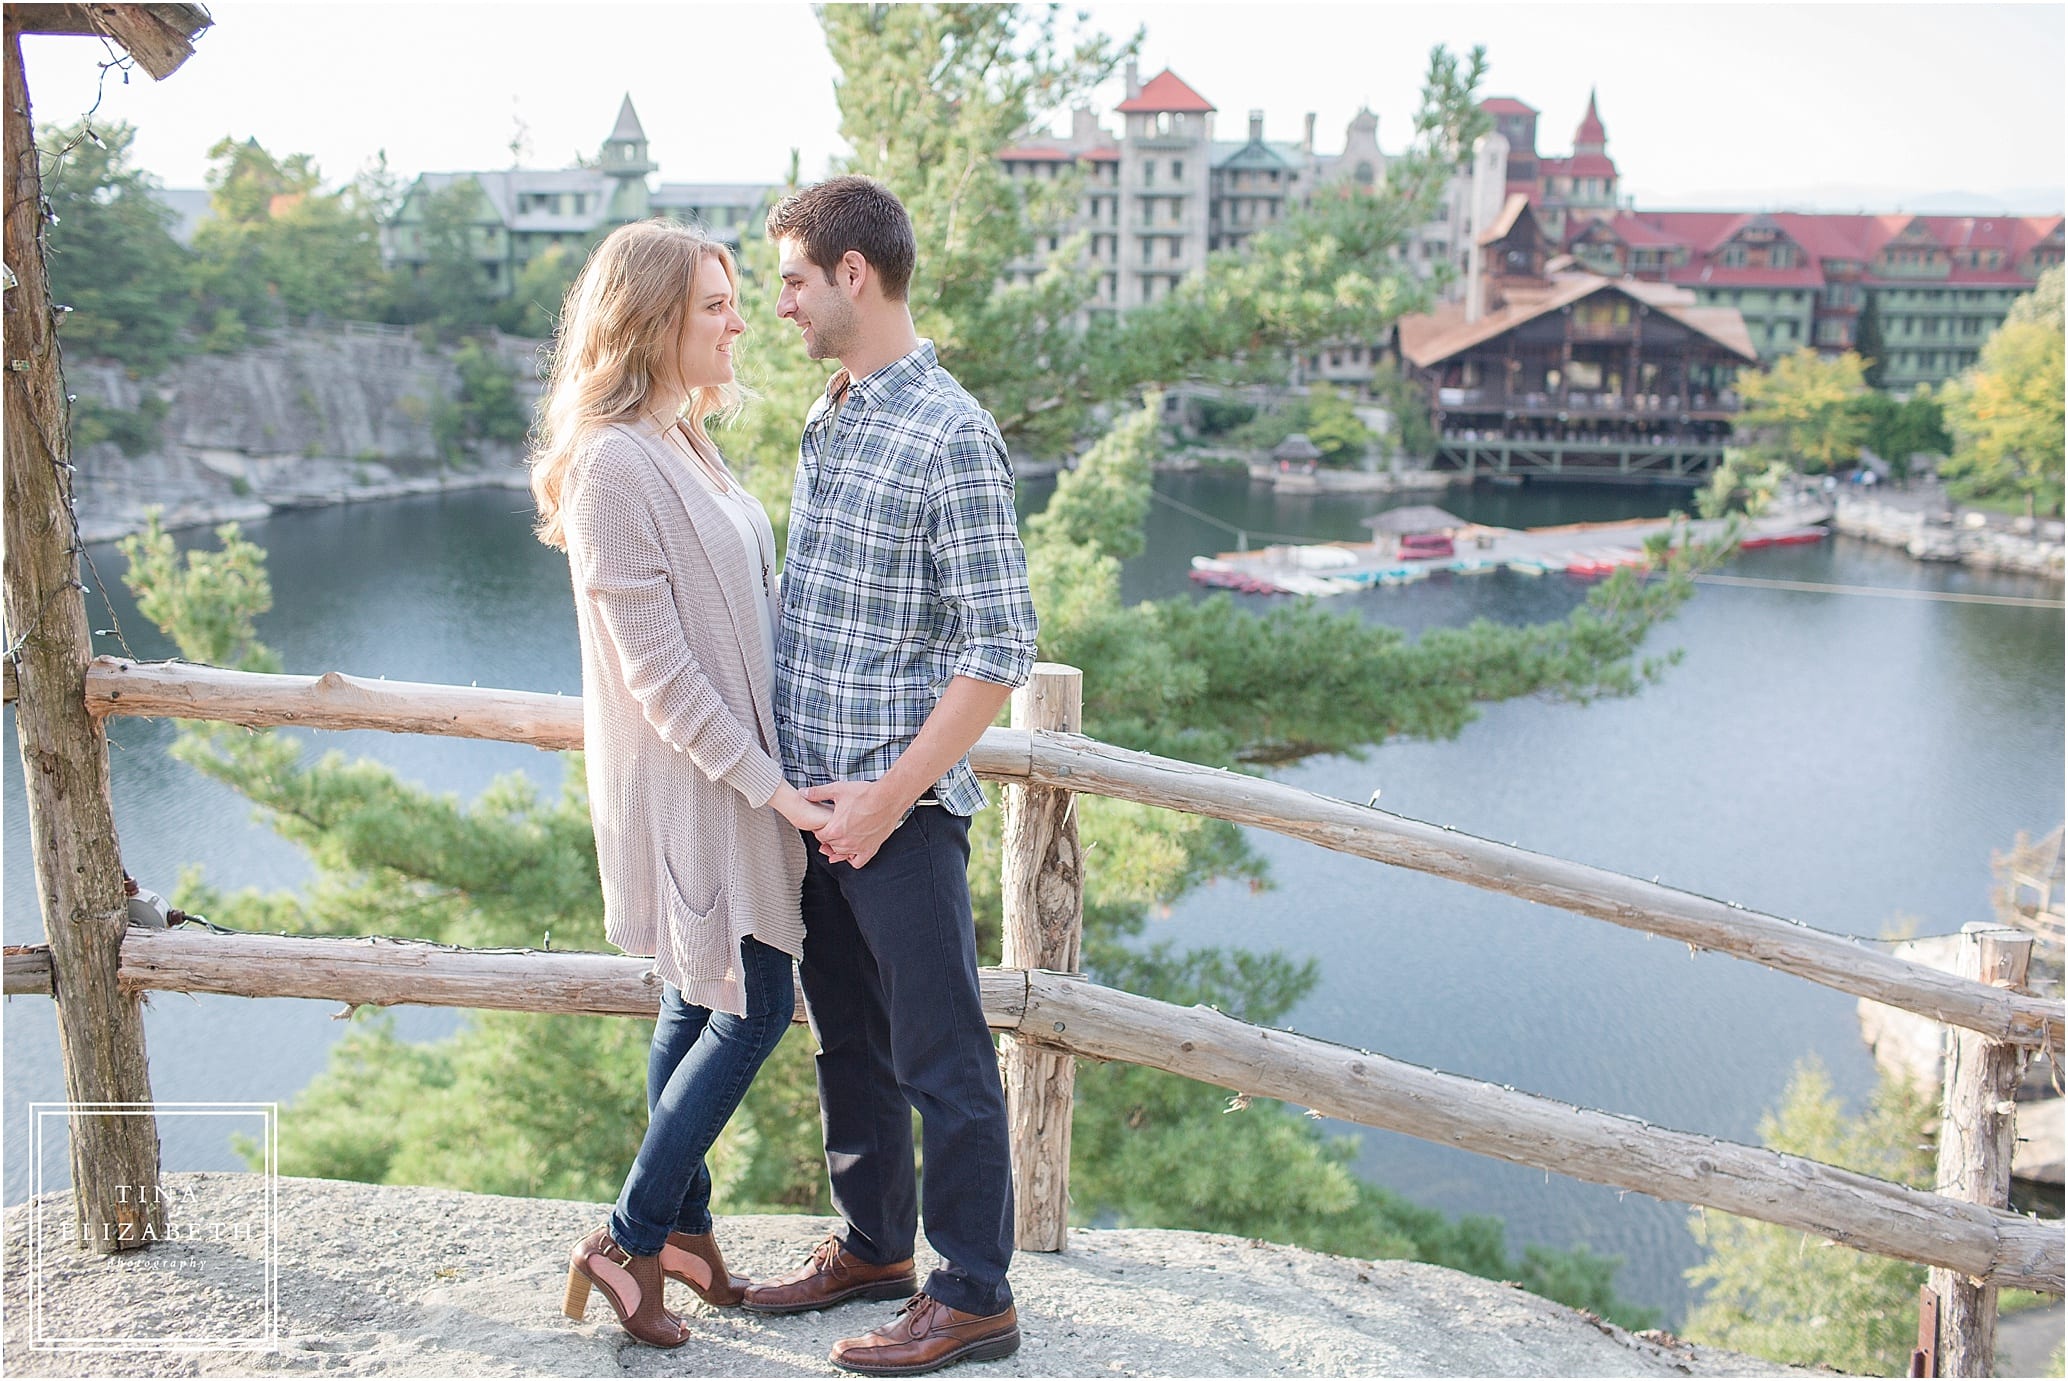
x=619, y=330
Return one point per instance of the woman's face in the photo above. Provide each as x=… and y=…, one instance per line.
x=703, y=357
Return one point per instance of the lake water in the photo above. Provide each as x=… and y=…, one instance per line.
x=1844, y=760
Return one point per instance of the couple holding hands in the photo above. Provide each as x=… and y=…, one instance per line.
x=781, y=772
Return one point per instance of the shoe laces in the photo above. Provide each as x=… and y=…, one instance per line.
x=826, y=1253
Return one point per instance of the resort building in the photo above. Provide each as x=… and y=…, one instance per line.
x=1160, y=195
x=1552, y=370
x=1566, y=194
x=1919, y=293
x=517, y=214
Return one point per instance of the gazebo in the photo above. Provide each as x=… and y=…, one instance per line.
x=1399, y=522
x=1296, y=450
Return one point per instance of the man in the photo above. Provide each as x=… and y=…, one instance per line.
x=906, y=623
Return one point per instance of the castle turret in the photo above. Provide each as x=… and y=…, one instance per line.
x=1590, y=137
x=626, y=162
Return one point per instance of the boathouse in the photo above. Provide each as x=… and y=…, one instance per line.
x=1550, y=370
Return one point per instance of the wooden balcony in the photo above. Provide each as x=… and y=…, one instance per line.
x=1586, y=403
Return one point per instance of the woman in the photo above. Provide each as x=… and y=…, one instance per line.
x=672, y=562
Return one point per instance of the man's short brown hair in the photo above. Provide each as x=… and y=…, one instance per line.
x=850, y=213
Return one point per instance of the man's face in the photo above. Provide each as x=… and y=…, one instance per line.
x=822, y=310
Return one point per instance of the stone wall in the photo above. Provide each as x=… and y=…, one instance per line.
x=312, y=417
x=1991, y=543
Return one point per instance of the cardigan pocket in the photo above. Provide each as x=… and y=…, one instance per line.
x=685, y=916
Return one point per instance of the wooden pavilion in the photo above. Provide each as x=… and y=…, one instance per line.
x=1549, y=370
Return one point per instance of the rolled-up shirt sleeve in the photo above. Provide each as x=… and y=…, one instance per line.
x=973, y=536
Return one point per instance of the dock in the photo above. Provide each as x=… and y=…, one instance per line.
x=1580, y=550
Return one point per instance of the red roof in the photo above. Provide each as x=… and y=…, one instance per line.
x=1506, y=105
x=1717, y=276
x=1636, y=233
x=1825, y=237
x=1590, y=130
x=1055, y=153
x=1166, y=92
x=1579, y=165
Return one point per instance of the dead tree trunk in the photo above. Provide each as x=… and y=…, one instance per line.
x=64, y=753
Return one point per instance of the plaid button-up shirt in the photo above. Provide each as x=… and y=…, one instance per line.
x=904, y=569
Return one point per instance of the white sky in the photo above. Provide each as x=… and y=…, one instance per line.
x=1867, y=105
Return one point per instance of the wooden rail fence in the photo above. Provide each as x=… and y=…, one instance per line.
x=1063, y=1015
x=1071, y=763
x=1057, y=1015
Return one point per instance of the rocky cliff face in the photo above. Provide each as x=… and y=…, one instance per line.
x=313, y=417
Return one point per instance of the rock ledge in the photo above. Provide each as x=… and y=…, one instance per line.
x=390, y=1281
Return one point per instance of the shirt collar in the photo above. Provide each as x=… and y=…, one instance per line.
x=883, y=384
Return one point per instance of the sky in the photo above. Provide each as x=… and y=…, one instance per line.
x=1835, y=107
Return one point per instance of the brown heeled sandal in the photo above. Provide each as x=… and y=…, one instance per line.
x=632, y=1284
x=694, y=1259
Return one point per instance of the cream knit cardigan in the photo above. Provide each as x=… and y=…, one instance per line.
x=678, y=719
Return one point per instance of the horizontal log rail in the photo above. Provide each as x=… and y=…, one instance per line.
x=1074, y=763
x=1070, y=1014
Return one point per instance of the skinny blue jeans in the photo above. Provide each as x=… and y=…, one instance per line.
x=696, y=1073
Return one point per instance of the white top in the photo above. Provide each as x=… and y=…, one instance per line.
x=750, y=520
x=757, y=541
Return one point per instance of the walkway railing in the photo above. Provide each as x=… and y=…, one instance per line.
x=1054, y=1014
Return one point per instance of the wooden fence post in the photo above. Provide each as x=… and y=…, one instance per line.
x=1043, y=889
x=1975, y=1142
x=64, y=753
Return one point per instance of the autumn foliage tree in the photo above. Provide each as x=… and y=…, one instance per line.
x=2006, y=413
x=1806, y=410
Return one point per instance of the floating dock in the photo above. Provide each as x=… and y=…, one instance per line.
x=1581, y=550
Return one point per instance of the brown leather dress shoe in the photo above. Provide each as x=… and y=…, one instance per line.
x=833, y=1274
x=927, y=1335
x=631, y=1283
x=694, y=1259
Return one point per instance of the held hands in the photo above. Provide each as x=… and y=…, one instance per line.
x=791, y=804
x=863, y=815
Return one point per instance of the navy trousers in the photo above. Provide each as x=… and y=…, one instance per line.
x=890, y=985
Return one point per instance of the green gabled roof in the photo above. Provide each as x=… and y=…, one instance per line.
x=1255, y=155
x=628, y=128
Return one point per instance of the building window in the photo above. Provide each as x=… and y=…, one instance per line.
x=1177, y=170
